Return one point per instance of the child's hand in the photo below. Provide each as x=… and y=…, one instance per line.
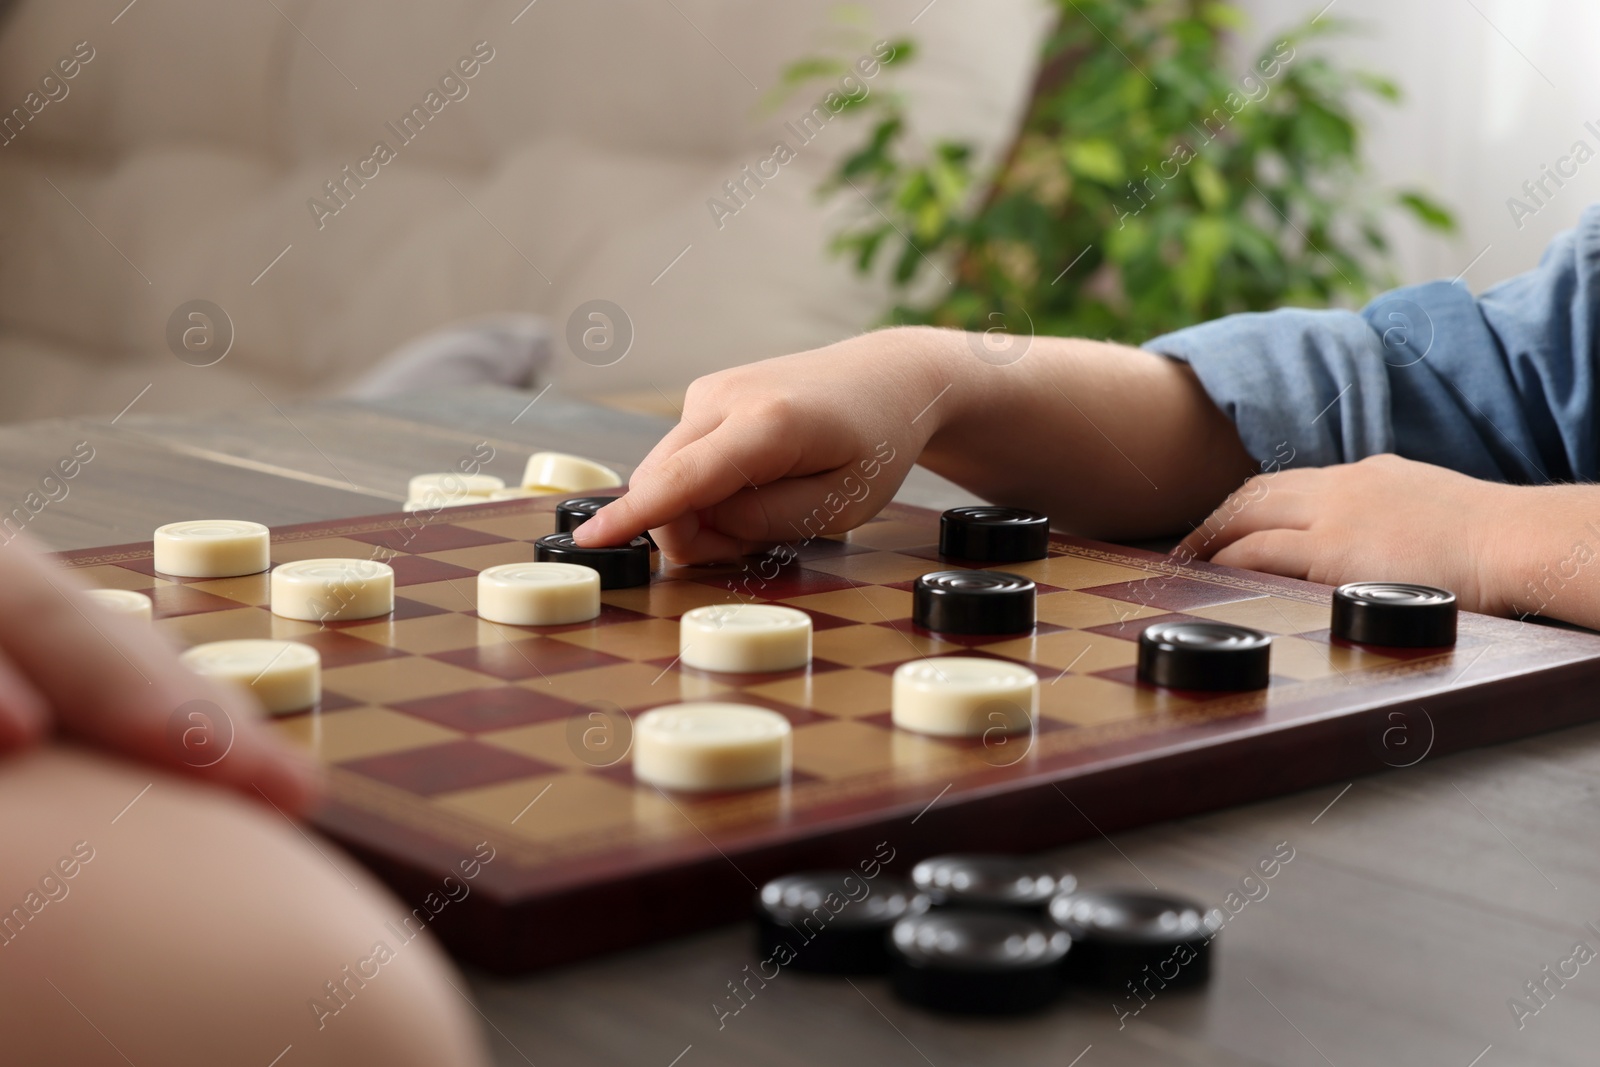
x=1382, y=519
x=67, y=666
x=774, y=450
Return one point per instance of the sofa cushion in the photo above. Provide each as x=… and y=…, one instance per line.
x=181, y=160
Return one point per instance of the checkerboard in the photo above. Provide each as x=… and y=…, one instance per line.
x=443, y=731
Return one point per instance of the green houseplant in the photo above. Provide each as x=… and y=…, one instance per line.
x=1153, y=182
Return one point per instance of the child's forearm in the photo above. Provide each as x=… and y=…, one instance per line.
x=1108, y=440
x=1542, y=553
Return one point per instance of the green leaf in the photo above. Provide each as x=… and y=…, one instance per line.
x=1223, y=16
x=1128, y=241
x=901, y=51
x=1428, y=211
x=1099, y=161
x=1379, y=86
x=1208, y=185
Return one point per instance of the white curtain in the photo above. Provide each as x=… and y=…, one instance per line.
x=1495, y=90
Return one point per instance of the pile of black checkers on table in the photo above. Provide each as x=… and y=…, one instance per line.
x=983, y=934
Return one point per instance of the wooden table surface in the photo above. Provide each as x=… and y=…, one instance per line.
x=1419, y=903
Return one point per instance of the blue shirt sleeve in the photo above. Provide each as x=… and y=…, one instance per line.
x=1501, y=387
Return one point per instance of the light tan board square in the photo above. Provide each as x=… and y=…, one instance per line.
x=1081, y=611
x=392, y=680
x=1071, y=572
x=247, y=589
x=1274, y=615
x=109, y=577
x=548, y=741
x=481, y=557
x=841, y=750
x=1083, y=700
x=574, y=805
x=433, y=633
x=847, y=694
x=524, y=527
x=1295, y=657
x=628, y=685
x=353, y=733
x=868, y=646
x=667, y=599
x=835, y=750
x=864, y=603
x=890, y=534
x=328, y=548
x=638, y=641
x=878, y=568
x=230, y=625
x=1082, y=653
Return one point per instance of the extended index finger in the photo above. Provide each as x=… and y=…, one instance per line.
x=698, y=475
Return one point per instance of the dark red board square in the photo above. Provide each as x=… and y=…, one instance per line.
x=434, y=537
x=464, y=764
x=1130, y=629
x=403, y=609
x=337, y=702
x=415, y=570
x=609, y=615
x=1170, y=593
x=171, y=600
x=342, y=650
x=821, y=620
x=531, y=657
x=744, y=678
x=478, y=710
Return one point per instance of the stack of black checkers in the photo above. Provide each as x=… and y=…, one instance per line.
x=982, y=601
x=982, y=934
x=574, y=511
x=620, y=566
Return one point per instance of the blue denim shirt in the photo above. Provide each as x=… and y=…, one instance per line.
x=1501, y=387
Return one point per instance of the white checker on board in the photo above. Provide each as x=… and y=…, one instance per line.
x=745, y=637
x=328, y=590
x=212, y=548
x=704, y=747
x=284, y=676
x=538, y=594
x=964, y=696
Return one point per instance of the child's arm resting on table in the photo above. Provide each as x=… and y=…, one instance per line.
x=1119, y=443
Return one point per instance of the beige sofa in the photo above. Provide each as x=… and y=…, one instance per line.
x=568, y=153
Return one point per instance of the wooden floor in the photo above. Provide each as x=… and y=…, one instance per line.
x=1418, y=903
